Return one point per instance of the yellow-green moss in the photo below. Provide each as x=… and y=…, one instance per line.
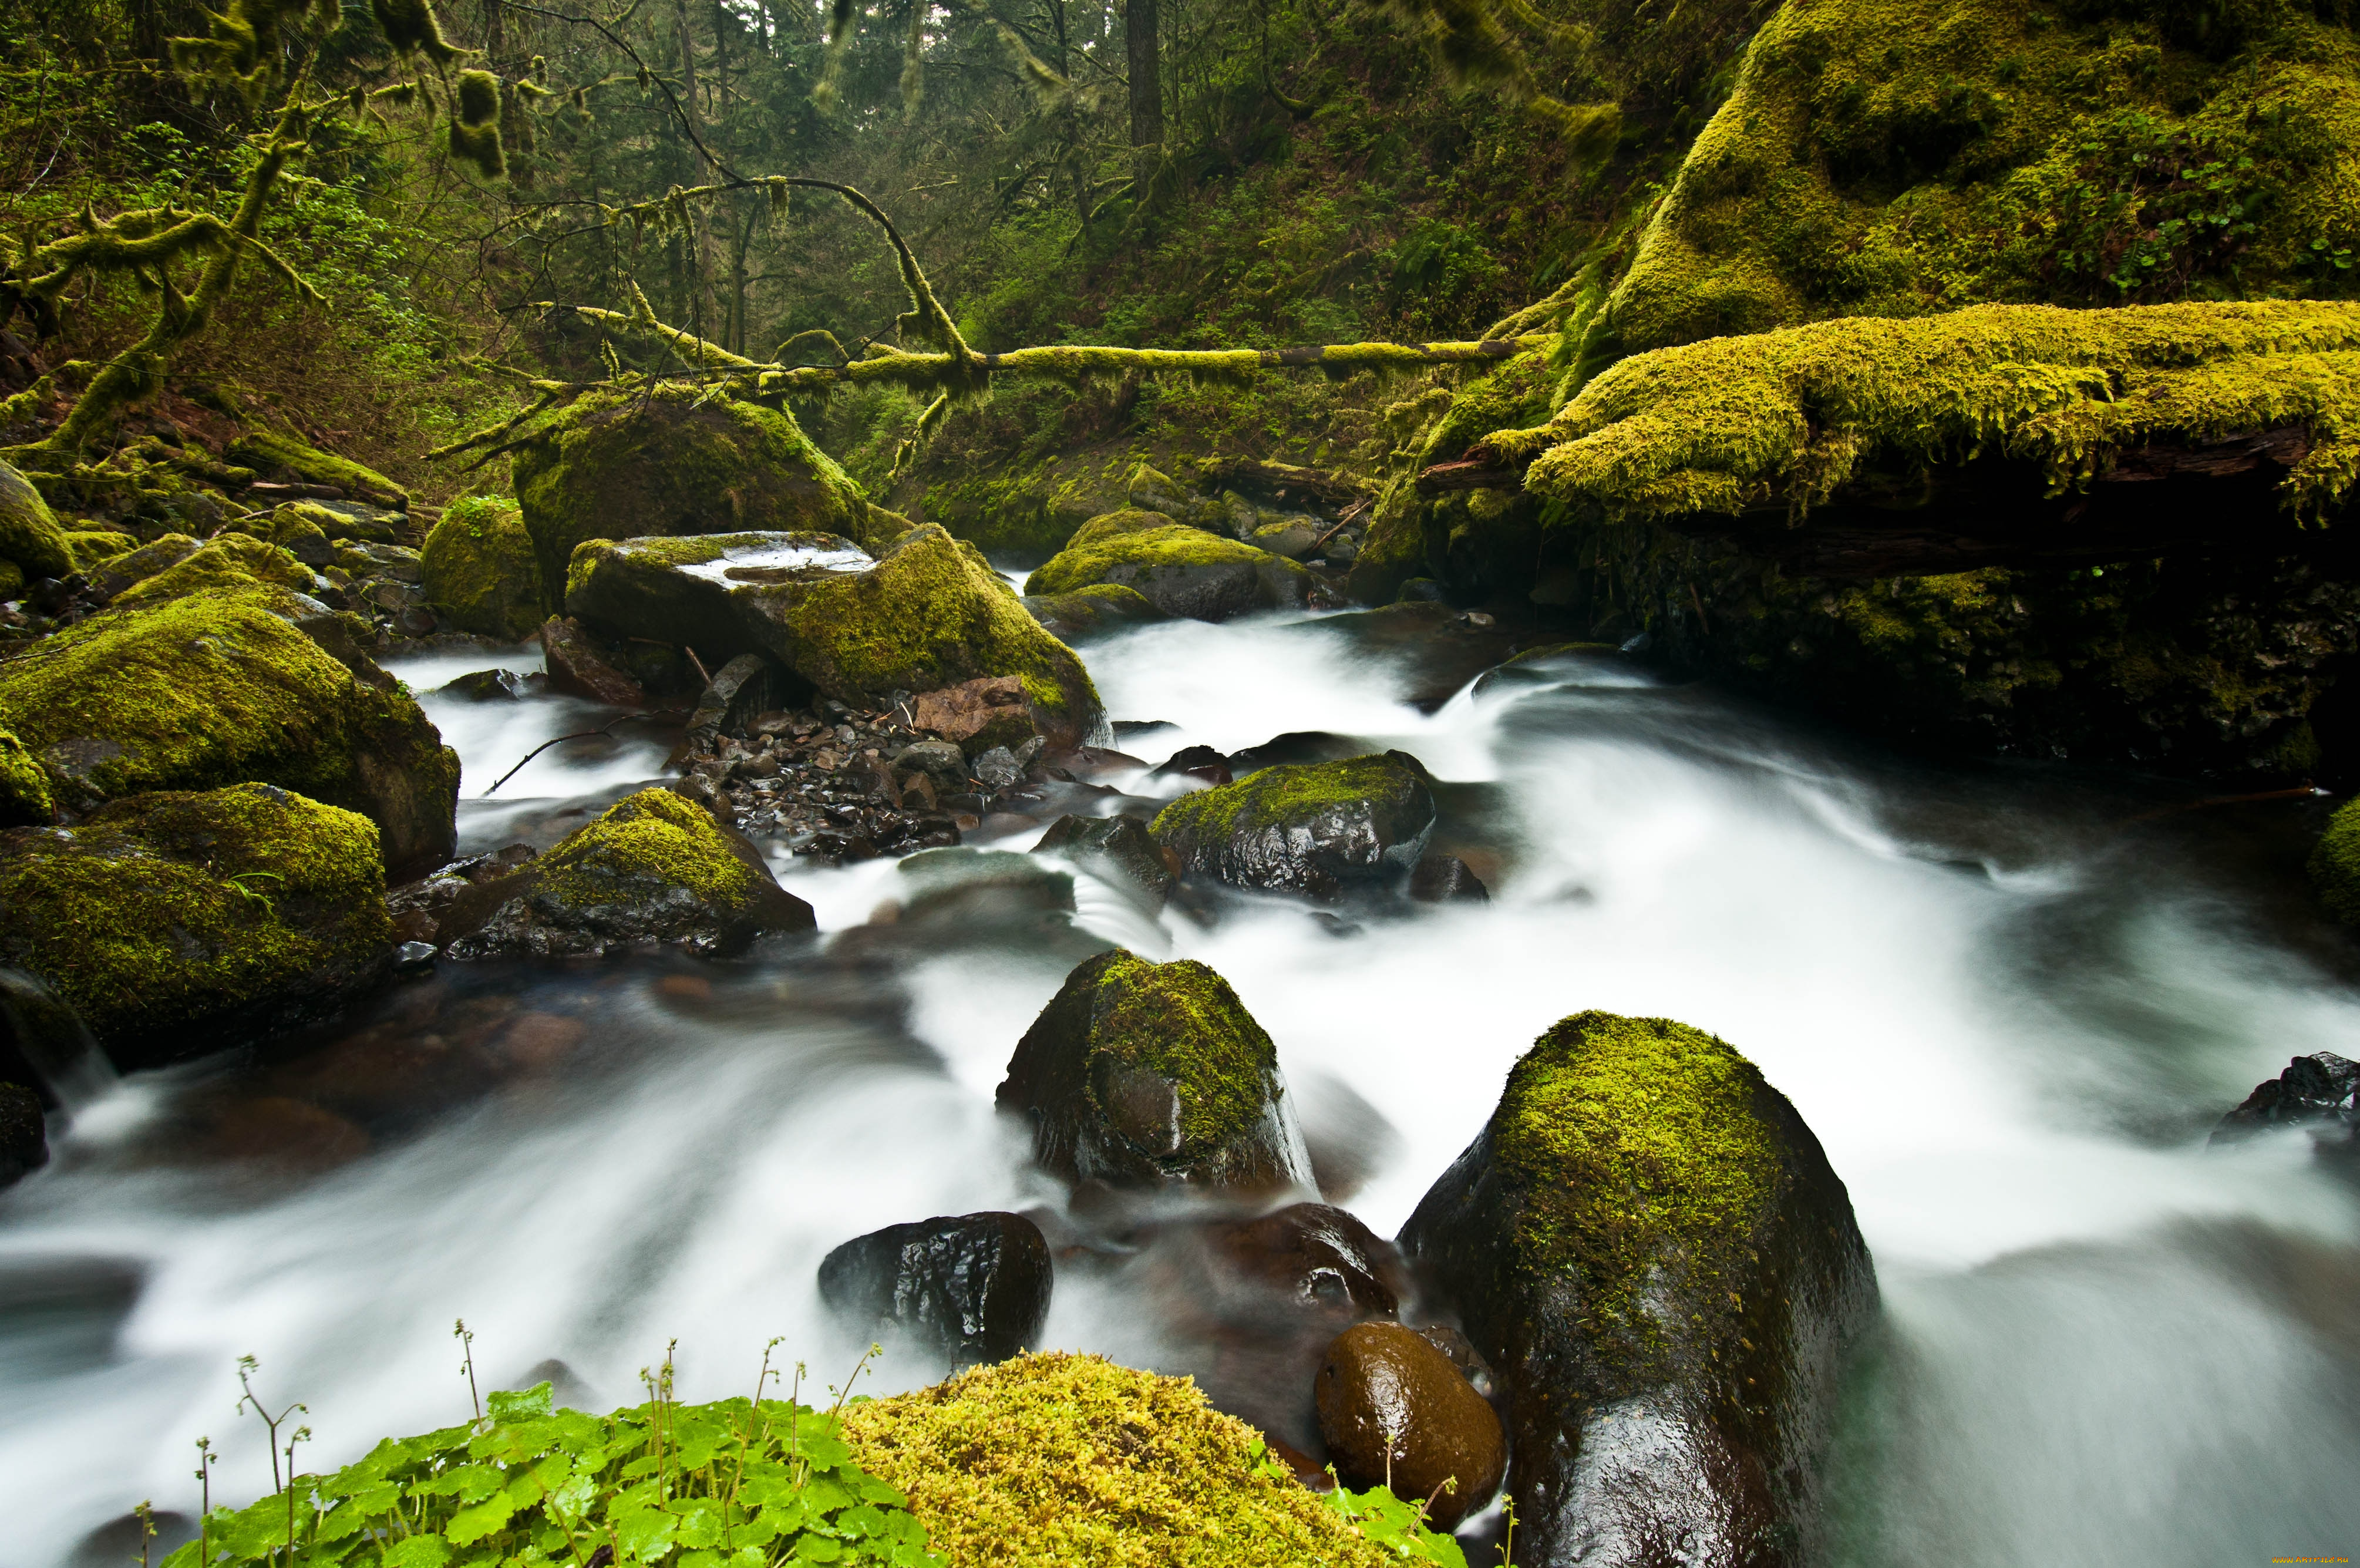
x=1056, y=1460
x=1182, y=1022
x=25, y=795
x=1643, y=1147
x=480, y=569
x=11, y=581
x=1114, y=524
x=2335, y=864
x=29, y=534
x=1143, y=550
x=1783, y=418
x=88, y=547
x=270, y=452
x=229, y=562
x=1286, y=794
x=163, y=911
x=653, y=836
x=138, y=566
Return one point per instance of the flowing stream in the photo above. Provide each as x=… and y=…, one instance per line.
x=2009, y=999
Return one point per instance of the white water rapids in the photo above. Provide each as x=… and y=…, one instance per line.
x=2009, y=1000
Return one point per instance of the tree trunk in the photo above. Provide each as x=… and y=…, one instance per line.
x=703, y=309
x=1140, y=28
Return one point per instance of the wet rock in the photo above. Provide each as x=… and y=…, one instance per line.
x=1145, y=1075
x=1648, y=1245
x=978, y=715
x=1349, y=1139
x=739, y=690
x=411, y=956
x=654, y=870
x=480, y=570
x=1182, y=571
x=113, y=577
x=2320, y=1092
x=924, y=613
x=43, y=1044
x=971, y=1288
x=24, y=1135
x=1116, y=848
x=966, y=897
x=486, y=685
x=1395, y=1411
x=1322, y=829
x=1460, y=1352
x=218, y=686
x=1094, y=611
x=939, y=759
x=579, y=667
x=418, y=907
x=998, y=769
x=1196, y=763
x=1445, y=879
x=285, y=1132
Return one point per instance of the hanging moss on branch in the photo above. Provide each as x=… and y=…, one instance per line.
x=475, y=125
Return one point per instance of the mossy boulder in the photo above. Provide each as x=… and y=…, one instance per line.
x=88, y=547
x=25, y=795
x=1323, y=829
x=1648, y=1245
x=230, y=562
x=925, y=612
x=1183, y=571
x=1096, y=610
x=30, y=538
x=480, y=569
x=114, y=575
x=673, y=463
x=2335, y=864
x=1147, y=1075
x=176, y=921
x=282, y=457
x=215, y=688
x=654, y=870
x=1048, y=1461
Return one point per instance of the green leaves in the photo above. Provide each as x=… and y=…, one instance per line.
x=1395, y=1524
x=729, y=1484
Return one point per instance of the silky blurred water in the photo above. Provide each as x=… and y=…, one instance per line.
x=2009, y=1000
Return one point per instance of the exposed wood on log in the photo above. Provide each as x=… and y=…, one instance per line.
x=1469, y=474
x=1285, y=480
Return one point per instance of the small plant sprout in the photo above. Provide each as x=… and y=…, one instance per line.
x=466, y=1338
x=301, y=1434
x=146, y=1512
x=204, y=1498
x=1507, y=1546
x=858, y=1368
x=253, y=895
x=246, y=1367
x=1393, y=1431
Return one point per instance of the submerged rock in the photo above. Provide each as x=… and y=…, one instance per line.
x=1141, y=1074
x=654, y=870
x=1093, y=610
x=217, y=687
x=975, y=1287
x=1319, y=828
x=1182, y=571
x=1445, y=879
x=1648, y=1244
x=925, y=613
x=175, y=921
x=1117, y=848
x=1396, y=1411
x=480, y=572
x=24, y=1135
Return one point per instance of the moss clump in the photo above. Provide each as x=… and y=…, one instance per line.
x=2335, y=864
x=228, y=563
x=1319, y=828
x=169, y=918
x=1056, y=1460
x=11, y=581
x=1127, y=554
x=288, y=527
x=30, y=535
x=268, y=452
x=654, y=836
x=1782, y=419
x=1115, y=524
x=1274, y=797
x=480, y=569
x=25, y=795
x=1891, y=158
x=672, y=462
x=138, y=566
x=89, y=547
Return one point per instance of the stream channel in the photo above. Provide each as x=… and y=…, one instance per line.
x=2010, y=999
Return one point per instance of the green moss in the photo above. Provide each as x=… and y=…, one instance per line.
x=163, y=911
x=1892, y=158
x=88, y=547
x=1115, y=524
x=1782, y=419
x=29, y=534
x=2335, y=864
x=1182, y=1022
x=11, y=581
x=1056, y=1460
x=1642, y=1147
x=1114, y=556
x=230, y=562
x=672, y=462
x=1291, y=793
x=480, y=569
x=270, y=452
x=25, y=795
x=653, y=836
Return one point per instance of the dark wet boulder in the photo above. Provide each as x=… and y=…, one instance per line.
x=959, y=897
x=419, y=907
x=1116, y=849
x=221, y=686
x=655, y=869
x=486, y=685
x=24, y=1134
x=1648, y=1245
x=971, y=1288
x=1395, y=1411
x=1445, y=879
x=177, y=921
x=924, y=612
x=2320, y=1092
x=1323, y=829
x=1097, y=609
x=1182, y=571
x=480, y=570
x=1349, y=1139
x=579, y=665
x=112, y=577
x=1146, y=1075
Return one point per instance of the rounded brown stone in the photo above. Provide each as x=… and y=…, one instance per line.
x=1382, y=1385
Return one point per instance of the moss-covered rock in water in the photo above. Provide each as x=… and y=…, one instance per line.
x=283, y=456
x=480, y=569
x=1647, y=1242
x=1054, y=1460
x=1320, y=828
x=215, y=687
x=1891, y=158
x=176, y=921
x=1141, y=1074
x=30, y=538
x=1094, y=611
x=672, y=463
x=25, y=795
x=1183, y=571
x=2335, y=864
x=926, y=612
x=654, y=870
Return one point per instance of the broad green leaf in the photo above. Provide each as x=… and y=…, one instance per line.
x=644, y=1535
x=524, y=1404
x=420, y=1552
x=700, y=1523
x=822, y=1496
x=862, y=1520
x=487, y=1518
x=817, y=1548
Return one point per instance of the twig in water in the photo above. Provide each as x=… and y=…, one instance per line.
x=606, y=729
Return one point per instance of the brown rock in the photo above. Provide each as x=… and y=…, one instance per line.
x=579, y=667
x=1382, y=1387
x=288, y=1132
x=539, y=1041
x=979, y=714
